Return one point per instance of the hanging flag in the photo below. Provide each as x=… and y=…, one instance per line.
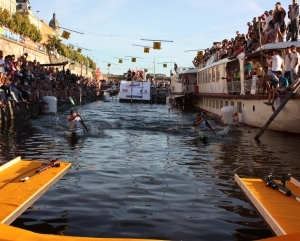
x=108, y=65
x=79, y=50
x=65, y=34
x=200, y=54
x=146, y=50
x=120, y=61
x=156, y=45
x=133, y=59
x=165, y=65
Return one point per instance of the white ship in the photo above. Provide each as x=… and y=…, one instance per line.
x=205, y=88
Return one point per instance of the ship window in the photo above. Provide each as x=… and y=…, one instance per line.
x=205, y=78
x=209, y=102
x=221, y=104
x=239, y=107
x=213, y=104
x=217, y=104
x=213, y=75
x=218, y=74
x=226, y=103
x=199, y=77
x=209, y=75
x=231, y=103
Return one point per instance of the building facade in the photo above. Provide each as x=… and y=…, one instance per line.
x=9, y=5
x=23, y=6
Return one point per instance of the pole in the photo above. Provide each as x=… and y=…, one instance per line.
x=290, y=95
x=38, y=20
x=260, y=42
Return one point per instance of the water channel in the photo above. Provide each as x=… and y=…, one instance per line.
x=142, y=173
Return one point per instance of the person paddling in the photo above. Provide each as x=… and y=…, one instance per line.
x=199, y=123
x=73, y=121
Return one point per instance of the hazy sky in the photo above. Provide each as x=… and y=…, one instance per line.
x=111, y=27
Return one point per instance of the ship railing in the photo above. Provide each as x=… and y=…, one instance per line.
x=234, y=87
x=189, y=88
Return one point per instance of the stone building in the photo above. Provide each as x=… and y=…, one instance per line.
x=9, y=5
x=23, y=6
x=54, y=24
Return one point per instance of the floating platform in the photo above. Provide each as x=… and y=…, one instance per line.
x=280, y=212
x=16, y=196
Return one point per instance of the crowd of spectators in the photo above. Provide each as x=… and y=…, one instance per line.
x=24, y=81
x=8, y=33
x=269, y=27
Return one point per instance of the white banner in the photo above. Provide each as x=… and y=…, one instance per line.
x=134, y=90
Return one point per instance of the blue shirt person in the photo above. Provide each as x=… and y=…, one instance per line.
x=278, y=89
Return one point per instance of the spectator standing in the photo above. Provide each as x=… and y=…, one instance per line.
x=287, y=62
x=268, y=20
x=295, y=20
x=294, y=61
x=289, y=12
x=277, y=62
x=2, y=62
x=288, y=31
x=278, y=20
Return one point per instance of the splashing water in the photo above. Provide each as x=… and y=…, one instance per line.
x=224, y=132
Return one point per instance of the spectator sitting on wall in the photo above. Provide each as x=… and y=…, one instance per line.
x=279, y=88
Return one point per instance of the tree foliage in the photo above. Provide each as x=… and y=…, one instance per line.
x=20, y=23
x=54, y=42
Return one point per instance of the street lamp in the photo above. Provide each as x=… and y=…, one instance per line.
x=38, y=20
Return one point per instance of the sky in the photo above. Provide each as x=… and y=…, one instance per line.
x=111, y=28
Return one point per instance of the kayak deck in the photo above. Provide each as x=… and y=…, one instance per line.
x=282, y=213
x=16, y=196
x=9, y=233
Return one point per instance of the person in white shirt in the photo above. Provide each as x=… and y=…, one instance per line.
x=287, y=64
x=277, y=62
x=295, y=57
x=74, y=121
x=267, y=21
x=294, y=14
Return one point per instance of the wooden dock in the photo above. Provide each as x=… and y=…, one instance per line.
x=280, y=212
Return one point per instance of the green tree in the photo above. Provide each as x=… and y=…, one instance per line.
x=5, y=18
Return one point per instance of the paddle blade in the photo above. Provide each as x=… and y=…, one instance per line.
x=71, y=100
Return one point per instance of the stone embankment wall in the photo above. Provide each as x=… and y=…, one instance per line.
x=22, y=111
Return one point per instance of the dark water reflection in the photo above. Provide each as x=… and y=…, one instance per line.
x=141, y=173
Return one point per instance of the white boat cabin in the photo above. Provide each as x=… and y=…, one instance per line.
x=211, y=79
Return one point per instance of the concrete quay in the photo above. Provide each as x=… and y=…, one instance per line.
x=22, y=111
